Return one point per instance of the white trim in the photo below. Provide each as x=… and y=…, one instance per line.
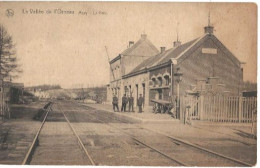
x=153, y=77
x=190, y=46
x=174, y=61
x=159, y=75
x=166, y=74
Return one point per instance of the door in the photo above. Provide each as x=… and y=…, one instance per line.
x=144, y=92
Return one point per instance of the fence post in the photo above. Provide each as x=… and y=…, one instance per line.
x=181, y=109
x=201, y=109
x=187, y=115
x=240, y=109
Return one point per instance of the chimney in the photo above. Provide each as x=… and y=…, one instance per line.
x=162, y=49
x=209, y=29
x=143, y=36
x=131, y=43
x=176, y=43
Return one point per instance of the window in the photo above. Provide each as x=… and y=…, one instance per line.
x=115, y=91
x=154, y=82
x=167, y=80
x=143, y=91
x=130, y=89
x=160, y=81
x=136, y=87
x=126, y=89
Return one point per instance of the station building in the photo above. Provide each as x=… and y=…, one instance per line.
x=203, y=58
x=124, y=63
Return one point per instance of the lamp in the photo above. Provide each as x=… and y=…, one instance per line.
x=178, y=76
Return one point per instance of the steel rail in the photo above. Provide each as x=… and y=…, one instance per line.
x=146, y=145
x=196, y=146
x=201, y=148
x=30, y=151
x=153, y=148
x=79, y=140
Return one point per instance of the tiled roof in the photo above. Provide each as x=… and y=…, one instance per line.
x=163, y=57
x=176, y=52
x=143, y=47
x=179, y=52
x=150, y=61
x=139, y=42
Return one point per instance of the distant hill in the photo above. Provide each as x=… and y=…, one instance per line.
x=43, y=87
x=61, y=93
x=96, y=93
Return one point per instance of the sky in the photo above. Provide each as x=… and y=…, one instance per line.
x=64, y=42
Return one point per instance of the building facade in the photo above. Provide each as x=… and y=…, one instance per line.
x=124, y=63
x=202, y=59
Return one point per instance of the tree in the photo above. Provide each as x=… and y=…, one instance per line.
x=249, y=86
x=9, y=68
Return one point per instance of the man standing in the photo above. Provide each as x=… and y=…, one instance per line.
x=127, y=101
x=140, y=102
x=115, y=103
x=124, y=102
x=131, y=103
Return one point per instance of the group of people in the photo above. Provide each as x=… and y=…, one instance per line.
x=130, y=101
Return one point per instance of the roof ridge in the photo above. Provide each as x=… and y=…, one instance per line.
x=133, y=47
x=195, y=42
x=140, y=41
x=151, y=44
x=172, y=49
x=226, y=50
x=164, y=54
x=157, y=59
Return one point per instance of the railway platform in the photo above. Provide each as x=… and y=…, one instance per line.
x=239, y=130
x=144, y=117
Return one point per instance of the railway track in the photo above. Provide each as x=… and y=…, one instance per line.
x=79, y=140
x=179, y=141
x=31, y=152
x=35, y=142
x=180, y=163
x=175, y=157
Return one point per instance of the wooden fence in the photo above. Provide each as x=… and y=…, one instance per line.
x=219, y=108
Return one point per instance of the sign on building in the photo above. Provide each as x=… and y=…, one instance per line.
x=209, y=50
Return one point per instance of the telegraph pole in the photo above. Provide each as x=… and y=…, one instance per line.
x=1, y=76
x=109, y=63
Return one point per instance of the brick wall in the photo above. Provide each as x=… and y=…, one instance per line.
x=199, y=65
x=137, y=84
x=130, y=62
x=117, y=70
